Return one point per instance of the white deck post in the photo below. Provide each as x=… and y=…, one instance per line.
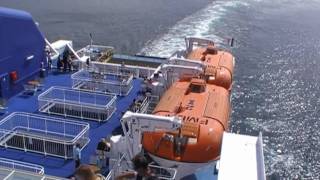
x=65, y=150
x=24, y=143
x=64, y=104
x=44, y=146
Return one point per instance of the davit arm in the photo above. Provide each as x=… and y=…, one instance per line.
x=134, y=124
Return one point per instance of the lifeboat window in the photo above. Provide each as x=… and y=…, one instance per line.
x=192, y=140
x=197, y=88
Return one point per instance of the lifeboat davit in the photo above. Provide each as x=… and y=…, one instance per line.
x=203, y=104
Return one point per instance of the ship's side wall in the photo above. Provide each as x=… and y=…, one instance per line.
x=21, y=51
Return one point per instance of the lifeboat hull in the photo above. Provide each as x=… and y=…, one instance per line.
x=203, y=104
x=205, y=115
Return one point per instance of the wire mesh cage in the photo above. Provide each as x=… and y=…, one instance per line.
x=43, y=134
x=119, y=83
x=78, y=104
x=19, y=165
x=97, y=53
x=145, y=104
x=18, y=170
x=136, y=71
x=108, y=68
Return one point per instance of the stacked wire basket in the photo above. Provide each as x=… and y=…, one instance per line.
x=92, y=97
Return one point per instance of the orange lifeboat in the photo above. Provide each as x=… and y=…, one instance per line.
x=219, y=64
x=203, y=104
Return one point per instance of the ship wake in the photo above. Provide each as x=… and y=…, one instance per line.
x=199, y=24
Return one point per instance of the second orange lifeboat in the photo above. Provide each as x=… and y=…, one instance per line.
x=203, y=104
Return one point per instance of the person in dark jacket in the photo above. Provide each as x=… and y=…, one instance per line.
x=66, y=61
x=142, y=170
x=103, y=148
x=60, y=64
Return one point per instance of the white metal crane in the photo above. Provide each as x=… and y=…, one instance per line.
x=134, y=125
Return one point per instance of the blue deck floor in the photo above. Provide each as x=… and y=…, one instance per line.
x=58, y=166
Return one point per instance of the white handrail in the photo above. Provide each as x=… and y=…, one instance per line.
x=74, y=52
x=19, y=165
x=40, y=130
x=49, y=44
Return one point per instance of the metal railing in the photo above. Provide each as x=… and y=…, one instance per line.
x=96, y=52
x=135, y=71
x=19, y=165
x=122, y=165
x=163, y=172
x=260, y=158
x=102, y=82
x=43, y=134
x=14, y=174
x=93, y=53
x=147, y=106
x=140, y=58
x=54, y=53
x=78, y=104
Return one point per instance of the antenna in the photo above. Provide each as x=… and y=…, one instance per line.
x=232, y=42
x=91, y=39
x=90, y=49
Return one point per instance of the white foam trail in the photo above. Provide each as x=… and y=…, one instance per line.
x=197, y=25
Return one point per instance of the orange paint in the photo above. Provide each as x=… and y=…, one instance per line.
x=203, y=104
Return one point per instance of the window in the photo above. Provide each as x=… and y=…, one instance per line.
x=196, y=88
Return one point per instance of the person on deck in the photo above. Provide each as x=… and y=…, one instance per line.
x=65, y=58
x=69, y=62
x=77, y=155
x=60, y=64
x=102, y=149
x=48, y=57
x=84, y=172
x=142, y=170
x=88, y=62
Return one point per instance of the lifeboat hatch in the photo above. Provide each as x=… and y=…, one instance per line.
x=211, y=50
x=188, y=134
x=190, y=130
x=197, y=86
